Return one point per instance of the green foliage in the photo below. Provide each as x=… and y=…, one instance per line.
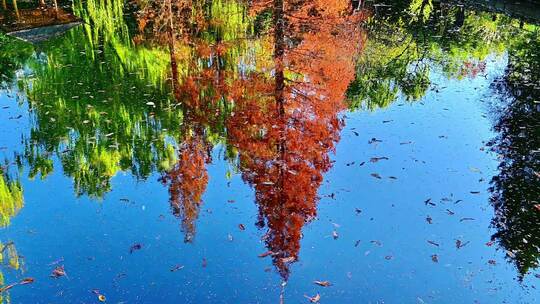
x=399, y=50
x=11, y=199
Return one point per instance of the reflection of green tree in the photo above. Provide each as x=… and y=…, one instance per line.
x=401, y=49
x=11, y=199
x=102, y=104
x=516, y=189
x=13, y=55
x=9, y=258
x=98, y=104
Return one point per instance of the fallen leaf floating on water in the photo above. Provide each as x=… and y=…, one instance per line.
x=460, y=244
x=241, y=227
x=376, y=175
x=265, y=254
x=177, y=267
x=492, y=262
x=490, y=243
x=388, y=257
x=323, y=283
x=58, y=272
x=26, y=281
x=429, y=220
x=428, y=202
x=135, y=247
x=315, y=299
x=22, y=282
x=378, y=243
x=100, y=296
x=433, y=243
x=357, y=243
x=377, y=159
x=435, y=258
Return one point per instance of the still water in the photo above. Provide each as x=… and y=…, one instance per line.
x=269, y=152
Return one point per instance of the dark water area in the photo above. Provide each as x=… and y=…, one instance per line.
x=280, y=151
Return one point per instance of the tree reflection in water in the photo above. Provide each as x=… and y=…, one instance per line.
x=267, y=81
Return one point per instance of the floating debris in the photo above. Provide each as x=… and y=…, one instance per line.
x=323, y=283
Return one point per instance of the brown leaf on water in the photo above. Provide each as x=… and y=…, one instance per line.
x=374, y=141
x=8, y=287
x=323, y=283
x=58, y=272
x=134, y=247
x=265, y=254
x=460, y=244
x=378, y=243
x=315, y=299
x=26, y=281
x=377, y=159
x=433, y=243
x=428, y=202
x=435, y=258
x=177, y=267
x=376, y=175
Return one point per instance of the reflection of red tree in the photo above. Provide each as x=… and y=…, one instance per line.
x=284, y=129
x=187, y=182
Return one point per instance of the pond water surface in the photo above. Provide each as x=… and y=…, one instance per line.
x=271, y=152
